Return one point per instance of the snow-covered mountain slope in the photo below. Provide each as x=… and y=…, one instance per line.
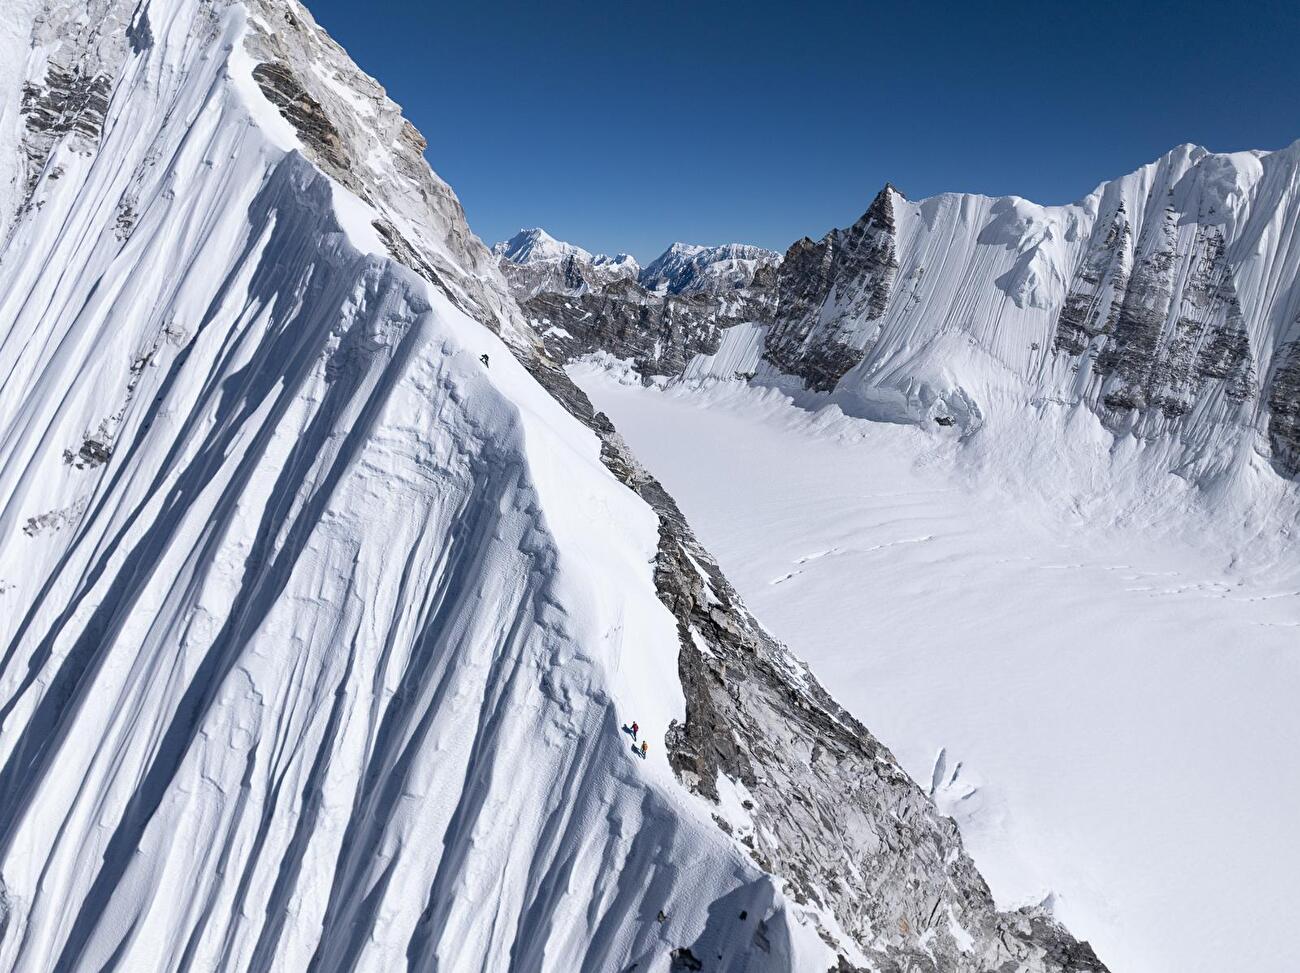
x=1166, y=302
x=325, y=593
x=534, y=262
x=1089, y=663
x=686, y=268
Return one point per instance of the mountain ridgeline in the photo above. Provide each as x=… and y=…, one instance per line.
x=325, y=593
x=1165, y=302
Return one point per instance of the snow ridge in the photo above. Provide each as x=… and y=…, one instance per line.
x=1163, y=302
x=325, y=594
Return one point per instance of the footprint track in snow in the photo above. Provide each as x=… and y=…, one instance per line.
x=817, y=555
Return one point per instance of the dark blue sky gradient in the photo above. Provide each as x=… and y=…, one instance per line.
x=625, y=126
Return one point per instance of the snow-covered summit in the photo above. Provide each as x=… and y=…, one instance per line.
x=538, y=246
x=533, y=261
x=690, y=268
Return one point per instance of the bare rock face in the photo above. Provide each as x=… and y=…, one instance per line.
x=1161, y=350
x=828, y=291
x=658, y=318
x=68, y=105
x=1284, y=410
x=303, y=112
x=1097, y=292
x=659, y=334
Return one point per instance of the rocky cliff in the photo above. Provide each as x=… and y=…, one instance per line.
x=658, y=317
x=829, y=293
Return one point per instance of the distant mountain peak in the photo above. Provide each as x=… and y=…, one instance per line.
x=688, y=267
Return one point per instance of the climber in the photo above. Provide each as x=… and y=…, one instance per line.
x=634, y=729
x=484, y=359
x=644, y=747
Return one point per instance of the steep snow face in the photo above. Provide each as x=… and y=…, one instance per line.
x=1166, y=302
x=687, y=268
x=316, y=632
x=325, y=593
x=534, y=262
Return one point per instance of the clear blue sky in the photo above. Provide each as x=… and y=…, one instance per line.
x=625, y=126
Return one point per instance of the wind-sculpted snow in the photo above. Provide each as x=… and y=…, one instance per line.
x=316, y=667
x=1158, y=303
x=325, y=596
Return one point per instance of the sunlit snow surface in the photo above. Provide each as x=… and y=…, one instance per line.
x=316, y=659
x=1115, y=669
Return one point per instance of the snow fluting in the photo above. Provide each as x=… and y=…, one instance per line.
x=326, y=594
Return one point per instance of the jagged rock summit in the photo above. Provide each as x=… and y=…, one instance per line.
x=324, y=593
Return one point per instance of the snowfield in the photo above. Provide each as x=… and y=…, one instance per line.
x=1092, y=664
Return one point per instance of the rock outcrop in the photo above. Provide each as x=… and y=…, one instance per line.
x=1097, y=292
x=830, y=292
x=658, y=333
x=658, y=318
x=1284, y=410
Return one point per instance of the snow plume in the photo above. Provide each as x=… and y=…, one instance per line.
x=322, y=609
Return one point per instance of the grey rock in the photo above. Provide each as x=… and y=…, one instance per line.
x=829, y=288
x=1089, y=310
x=1160, y=353
x=659, y=334
x=1284, y=410
x=302, y=111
